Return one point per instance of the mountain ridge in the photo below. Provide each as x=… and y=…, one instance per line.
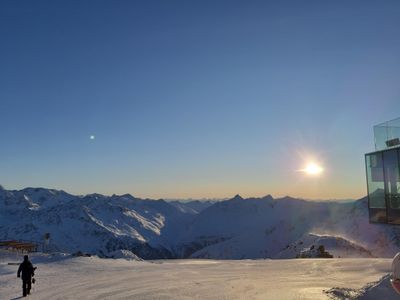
x=236, y=228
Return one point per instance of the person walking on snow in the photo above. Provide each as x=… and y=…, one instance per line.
x=27, y=270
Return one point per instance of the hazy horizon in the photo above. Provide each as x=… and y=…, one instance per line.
x=187, y=198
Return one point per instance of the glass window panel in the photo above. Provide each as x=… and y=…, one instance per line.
x=387, y=134
x=375, y=180
x=392, y=178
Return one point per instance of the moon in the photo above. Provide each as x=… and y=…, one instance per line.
x=92, y=137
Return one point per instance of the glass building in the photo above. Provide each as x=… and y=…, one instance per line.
x=383, y=174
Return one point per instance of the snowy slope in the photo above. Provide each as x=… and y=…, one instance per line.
x=183, y=207
x=94, y=278
x=93, y=223
x=233, y=229
x=381, y=289
x=192, y=206
x=337, y=246
x=264, y=227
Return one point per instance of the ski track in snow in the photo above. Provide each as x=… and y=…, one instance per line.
x=95, y=278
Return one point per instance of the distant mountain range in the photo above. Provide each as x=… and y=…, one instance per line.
x=229, y=229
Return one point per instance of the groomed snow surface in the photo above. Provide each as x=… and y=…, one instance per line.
x=65, y=277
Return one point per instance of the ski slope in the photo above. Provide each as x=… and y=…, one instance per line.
x=94, y=278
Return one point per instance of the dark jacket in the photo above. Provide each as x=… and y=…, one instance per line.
x=27, y=270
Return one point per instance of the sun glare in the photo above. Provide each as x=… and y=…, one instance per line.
x=312, y=169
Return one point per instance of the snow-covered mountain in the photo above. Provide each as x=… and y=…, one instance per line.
x=231, y=229
x=192, y=206
x=264, y=227
x=92, y=223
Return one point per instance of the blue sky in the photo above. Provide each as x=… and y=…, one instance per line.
x=195, y=98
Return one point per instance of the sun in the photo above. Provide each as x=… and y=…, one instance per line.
x=312, y=169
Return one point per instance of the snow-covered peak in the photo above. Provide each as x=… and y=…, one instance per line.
x=93, y=223
x=237, y=197
x=235, y=228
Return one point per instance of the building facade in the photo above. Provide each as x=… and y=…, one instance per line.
x=383, y=174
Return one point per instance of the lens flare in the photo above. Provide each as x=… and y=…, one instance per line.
x=312, y=169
